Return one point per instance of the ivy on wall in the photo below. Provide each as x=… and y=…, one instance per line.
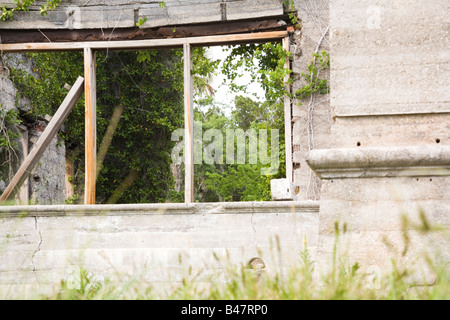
x=150, y=90
x=7, y=13
x=8, y=141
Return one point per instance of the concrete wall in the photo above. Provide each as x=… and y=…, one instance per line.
x=311, y=116
x=95, y=14
x=40, y=245
x=46, y=183
x=380, y=148
x=388, y=154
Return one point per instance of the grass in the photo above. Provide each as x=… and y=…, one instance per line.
x=344, y=282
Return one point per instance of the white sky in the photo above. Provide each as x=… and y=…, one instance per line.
x=223, y=94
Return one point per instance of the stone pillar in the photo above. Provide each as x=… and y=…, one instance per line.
x=386, y=170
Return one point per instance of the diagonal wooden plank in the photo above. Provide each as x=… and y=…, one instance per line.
x=41, y=145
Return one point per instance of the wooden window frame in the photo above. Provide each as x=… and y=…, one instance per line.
x=187, y=44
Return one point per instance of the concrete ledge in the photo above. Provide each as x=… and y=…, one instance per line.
x=380, y=162
x=160, y=209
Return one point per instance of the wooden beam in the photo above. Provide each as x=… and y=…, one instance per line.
x=41, y=145
x=90, y=126
x=288, y=119
x=189, y=125
x=146, y=44
x=9, y=36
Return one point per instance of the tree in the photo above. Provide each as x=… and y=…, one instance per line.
x=136, y=167
x=147, y=86
x=244, y=182
x=248, y=111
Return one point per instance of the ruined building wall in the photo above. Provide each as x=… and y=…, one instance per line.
x=121, y=14
x=46, y=183
x=387, y=163
x=380, y=147
x=311, y=116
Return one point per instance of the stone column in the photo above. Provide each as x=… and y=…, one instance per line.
x=386, y=171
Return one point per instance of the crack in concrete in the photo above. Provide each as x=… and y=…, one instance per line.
x=253, y=226
x=39, y=246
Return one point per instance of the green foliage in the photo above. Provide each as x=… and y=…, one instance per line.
x=7, y=13
x=45, y=87
x=204, y=69
x=151, y=93
x=290, y=8
x=82, y=286
x=314, y=84
x=149, y=85
x=264, y=62
x=248, y=111
x=8, y=119
x=242, y=182
x=141, y=22
x=245, y=182
x=8, y=140
x=48, y=6
x=239, y=182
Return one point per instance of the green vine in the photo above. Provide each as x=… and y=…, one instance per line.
x=48, y=6
x=8, y=139
x=320, y=62
x=7, y=13
x=270, y=71
x=290, y=8
x=8, y=119
x=141, y=22
x=162, y=4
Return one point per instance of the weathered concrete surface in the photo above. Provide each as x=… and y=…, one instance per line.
x=387, y=159
x=389, y=88
x=382, y=218
x=429, y=128
x=40, y=245
x=311, y=116
x=396, y=54
x=383, y=161
x=47, y=179
x=81, y=14
x=46, y=185
x=281, y=189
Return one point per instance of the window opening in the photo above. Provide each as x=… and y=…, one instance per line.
x=185, y=73
x=239, y=128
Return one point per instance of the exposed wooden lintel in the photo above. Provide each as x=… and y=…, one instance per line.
x=9, y=36
x=146, y=44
